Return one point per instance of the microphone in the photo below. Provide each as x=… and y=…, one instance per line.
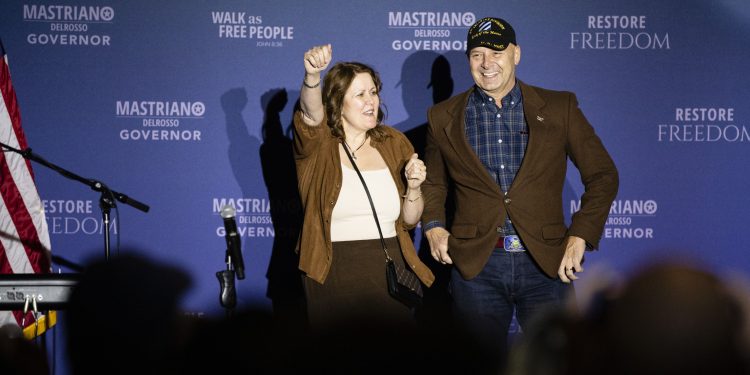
x=234, y=248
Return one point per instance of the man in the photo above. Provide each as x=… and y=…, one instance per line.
x=502, y=147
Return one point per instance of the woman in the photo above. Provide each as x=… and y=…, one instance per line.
x=340, y=249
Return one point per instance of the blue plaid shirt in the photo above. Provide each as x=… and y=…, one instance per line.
x=498, y=136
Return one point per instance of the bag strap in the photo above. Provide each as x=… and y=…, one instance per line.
x=372, y=205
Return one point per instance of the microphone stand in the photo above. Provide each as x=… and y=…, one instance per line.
x=106, y=201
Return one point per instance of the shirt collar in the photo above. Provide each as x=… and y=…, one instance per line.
x=510, y=100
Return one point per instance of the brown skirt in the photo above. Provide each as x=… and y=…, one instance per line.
x=355, y=289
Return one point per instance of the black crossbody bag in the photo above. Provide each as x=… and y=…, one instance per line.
x=403, y=284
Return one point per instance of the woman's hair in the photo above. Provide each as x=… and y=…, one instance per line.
x=336, y=82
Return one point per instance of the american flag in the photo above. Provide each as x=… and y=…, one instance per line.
x=24, y=239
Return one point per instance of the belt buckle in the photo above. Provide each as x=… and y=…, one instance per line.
x=513, y=244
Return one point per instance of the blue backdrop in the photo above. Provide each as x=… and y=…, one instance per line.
x=186, y=106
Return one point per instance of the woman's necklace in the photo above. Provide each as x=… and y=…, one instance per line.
x=353, y=151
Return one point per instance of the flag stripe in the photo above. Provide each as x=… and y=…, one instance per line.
x=24, y=238
x=17, y=186
x=14, y=258
x=20, y=201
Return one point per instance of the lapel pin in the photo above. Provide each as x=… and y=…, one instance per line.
x=540, y=118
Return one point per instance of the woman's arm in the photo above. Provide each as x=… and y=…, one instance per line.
x=415, y=173
x=311, y=98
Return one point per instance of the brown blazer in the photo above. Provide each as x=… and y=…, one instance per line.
x=316, y=153
x=558, y=130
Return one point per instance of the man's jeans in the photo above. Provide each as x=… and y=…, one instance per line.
x=510, y=281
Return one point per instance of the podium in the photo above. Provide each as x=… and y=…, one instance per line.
x=40, y=292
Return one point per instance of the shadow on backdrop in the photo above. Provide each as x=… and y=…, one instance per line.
x=280, y=176
x=242, y=145
x=426, y=79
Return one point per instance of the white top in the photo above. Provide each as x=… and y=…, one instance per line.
x=352, y=216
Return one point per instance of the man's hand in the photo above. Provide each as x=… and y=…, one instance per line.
x=438, y=239
x=571, y=262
